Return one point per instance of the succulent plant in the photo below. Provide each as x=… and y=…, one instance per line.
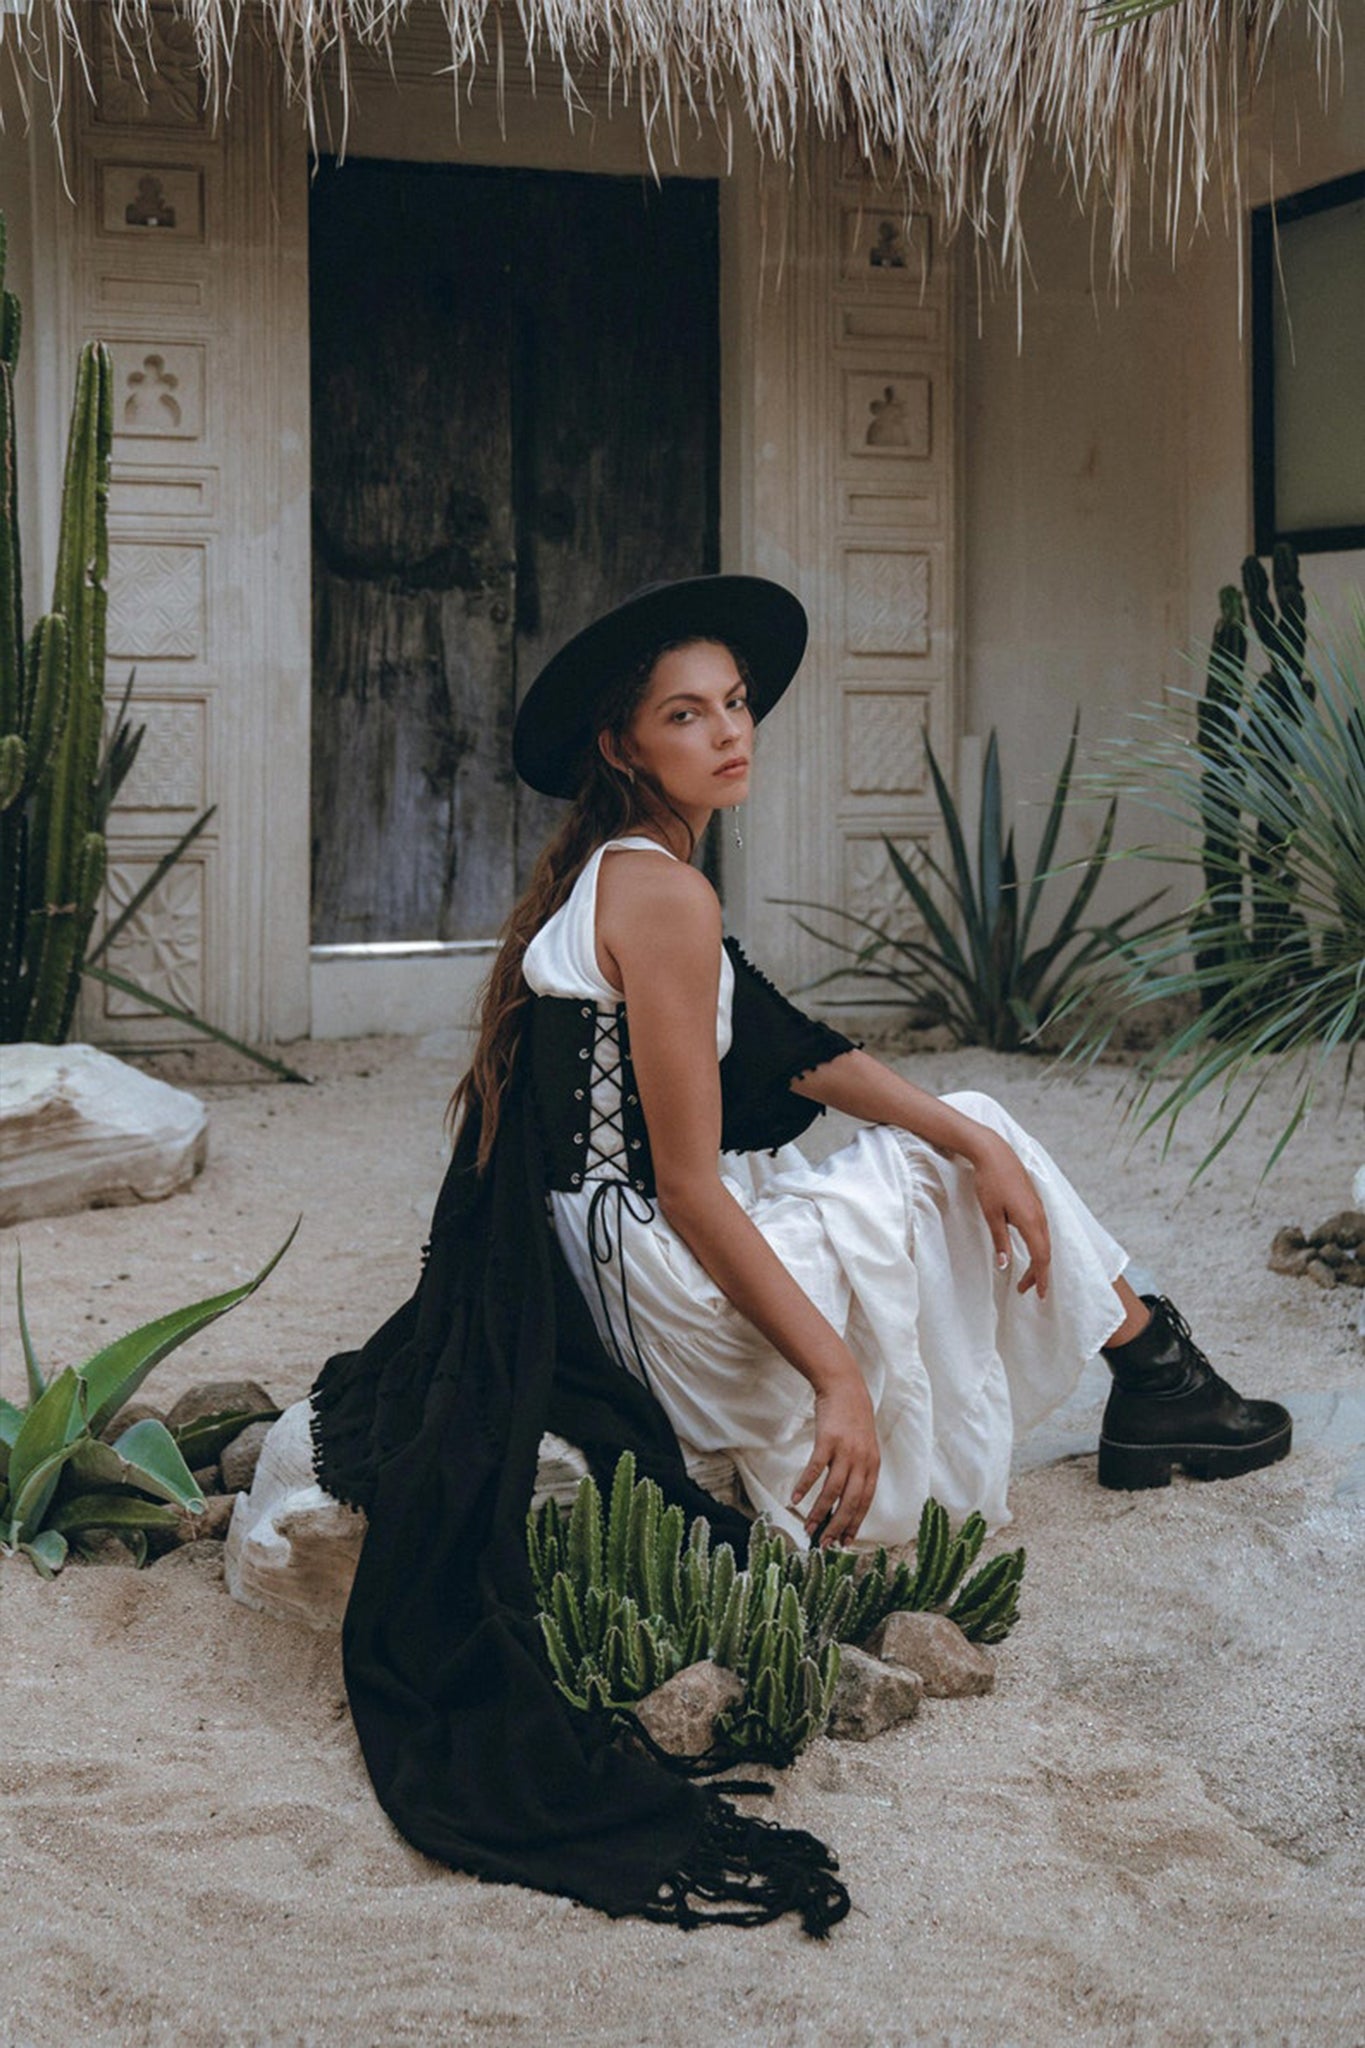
x=626, y=1601
x=61, y=1482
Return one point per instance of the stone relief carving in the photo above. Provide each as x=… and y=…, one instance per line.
x=886, y=600
x=156, y=600
x=884, y=742
x=887, y=413
x=880, y=247
x=162, y=946
x=158, y=85
x=168, y=774
x=158, y=390
x=872, y=888
x=163, y=202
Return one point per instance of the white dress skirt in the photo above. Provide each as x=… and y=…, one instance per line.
x=885, y=1236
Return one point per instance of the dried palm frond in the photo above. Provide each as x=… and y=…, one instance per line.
x=957, y=97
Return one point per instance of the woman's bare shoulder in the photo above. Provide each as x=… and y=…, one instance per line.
x=644, y=893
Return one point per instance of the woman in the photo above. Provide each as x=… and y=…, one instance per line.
x=856, y=1335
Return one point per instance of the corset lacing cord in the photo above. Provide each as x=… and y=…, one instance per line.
x=603, y=1250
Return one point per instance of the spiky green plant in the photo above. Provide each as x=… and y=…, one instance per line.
x=625, y=1603
x=61, y=1483
x=962, y=953
x=1290, y=773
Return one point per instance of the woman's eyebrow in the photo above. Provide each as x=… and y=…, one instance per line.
x=694, y=696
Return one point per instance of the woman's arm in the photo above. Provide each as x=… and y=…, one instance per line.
x=659, y=928
x=862, y=1087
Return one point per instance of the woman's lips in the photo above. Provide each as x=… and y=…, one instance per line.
x=734, y=768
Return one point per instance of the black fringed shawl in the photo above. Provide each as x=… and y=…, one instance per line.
x=433, y=1429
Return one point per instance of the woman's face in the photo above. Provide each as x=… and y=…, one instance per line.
x=693, y=732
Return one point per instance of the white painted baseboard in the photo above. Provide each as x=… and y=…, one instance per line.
x=360, y=992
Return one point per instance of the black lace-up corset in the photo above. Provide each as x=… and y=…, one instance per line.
x=587, y=1106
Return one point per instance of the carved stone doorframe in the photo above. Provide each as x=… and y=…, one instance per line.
x=184, y=250
x=852, y=500
x=187, y=249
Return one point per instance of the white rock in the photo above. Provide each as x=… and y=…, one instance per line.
x=80, y=1129
x=292, y=1549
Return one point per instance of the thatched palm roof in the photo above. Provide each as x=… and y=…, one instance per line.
x=950, y=97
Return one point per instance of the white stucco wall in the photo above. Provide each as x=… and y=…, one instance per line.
x=1107, y=461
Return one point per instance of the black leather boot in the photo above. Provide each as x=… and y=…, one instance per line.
x=1168, y=1407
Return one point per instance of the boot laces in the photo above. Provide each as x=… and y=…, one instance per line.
x=1194, y=1359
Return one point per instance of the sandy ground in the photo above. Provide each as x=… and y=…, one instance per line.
x=1151, y=1832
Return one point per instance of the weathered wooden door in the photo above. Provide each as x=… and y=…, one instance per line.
x=514, y=424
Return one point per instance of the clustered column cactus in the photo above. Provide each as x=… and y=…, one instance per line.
x=626, y=1602
x=52, y=860
x=1221, y=936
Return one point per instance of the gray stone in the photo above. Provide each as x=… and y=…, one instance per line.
x=1318, y=1271
x=80, y=1129
x=218, y=1397
x=1346, y=1228
x=936, y=1648
x=208, y=1478
x=871, y=1696
x=1289, y=1252
x=211, y=1526
x=681, y=1716
x=240, y=1458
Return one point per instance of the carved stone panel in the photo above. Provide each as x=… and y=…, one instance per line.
x=879, y=248
x=872, y=323
x=884, y=742
x=158, y=390
x=886, y=601
x=157, y=606
x=162, y=946
x=918, y=505
x=144, y=493
x=887, y=414
x=118, y=291
x=872, y=888
x=151, y=83
x=154, y=202
x=168, y=772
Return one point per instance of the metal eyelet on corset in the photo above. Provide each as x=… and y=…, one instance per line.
x=586, y=1010
x=578, y=1095
x=639, y=1185
x=575, y=1179
x=632, y=1101
x=583, y=1052
x=578, y=1138
x=635, y=1144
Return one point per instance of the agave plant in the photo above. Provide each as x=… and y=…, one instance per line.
x=964, y=955
x=62, y=1483
x=1289, y=772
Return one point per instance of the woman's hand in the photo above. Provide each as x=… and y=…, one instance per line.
x=1007, y=1196
x=846, y=1452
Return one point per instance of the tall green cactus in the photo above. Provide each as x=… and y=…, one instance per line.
x=52, y=859
x=65, y=883
x=1221, y=934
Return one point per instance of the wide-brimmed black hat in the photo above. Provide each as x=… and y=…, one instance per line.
x=760, y=620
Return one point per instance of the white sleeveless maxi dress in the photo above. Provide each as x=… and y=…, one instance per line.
x=886, y=1238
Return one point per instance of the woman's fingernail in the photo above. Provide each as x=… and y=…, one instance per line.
x=1002, y=1260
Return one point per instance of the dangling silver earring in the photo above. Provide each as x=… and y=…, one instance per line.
x=739, y=836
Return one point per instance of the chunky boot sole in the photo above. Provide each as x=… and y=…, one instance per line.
x=1129, y=1468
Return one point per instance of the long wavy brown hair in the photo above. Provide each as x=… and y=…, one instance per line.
x=611, y=801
